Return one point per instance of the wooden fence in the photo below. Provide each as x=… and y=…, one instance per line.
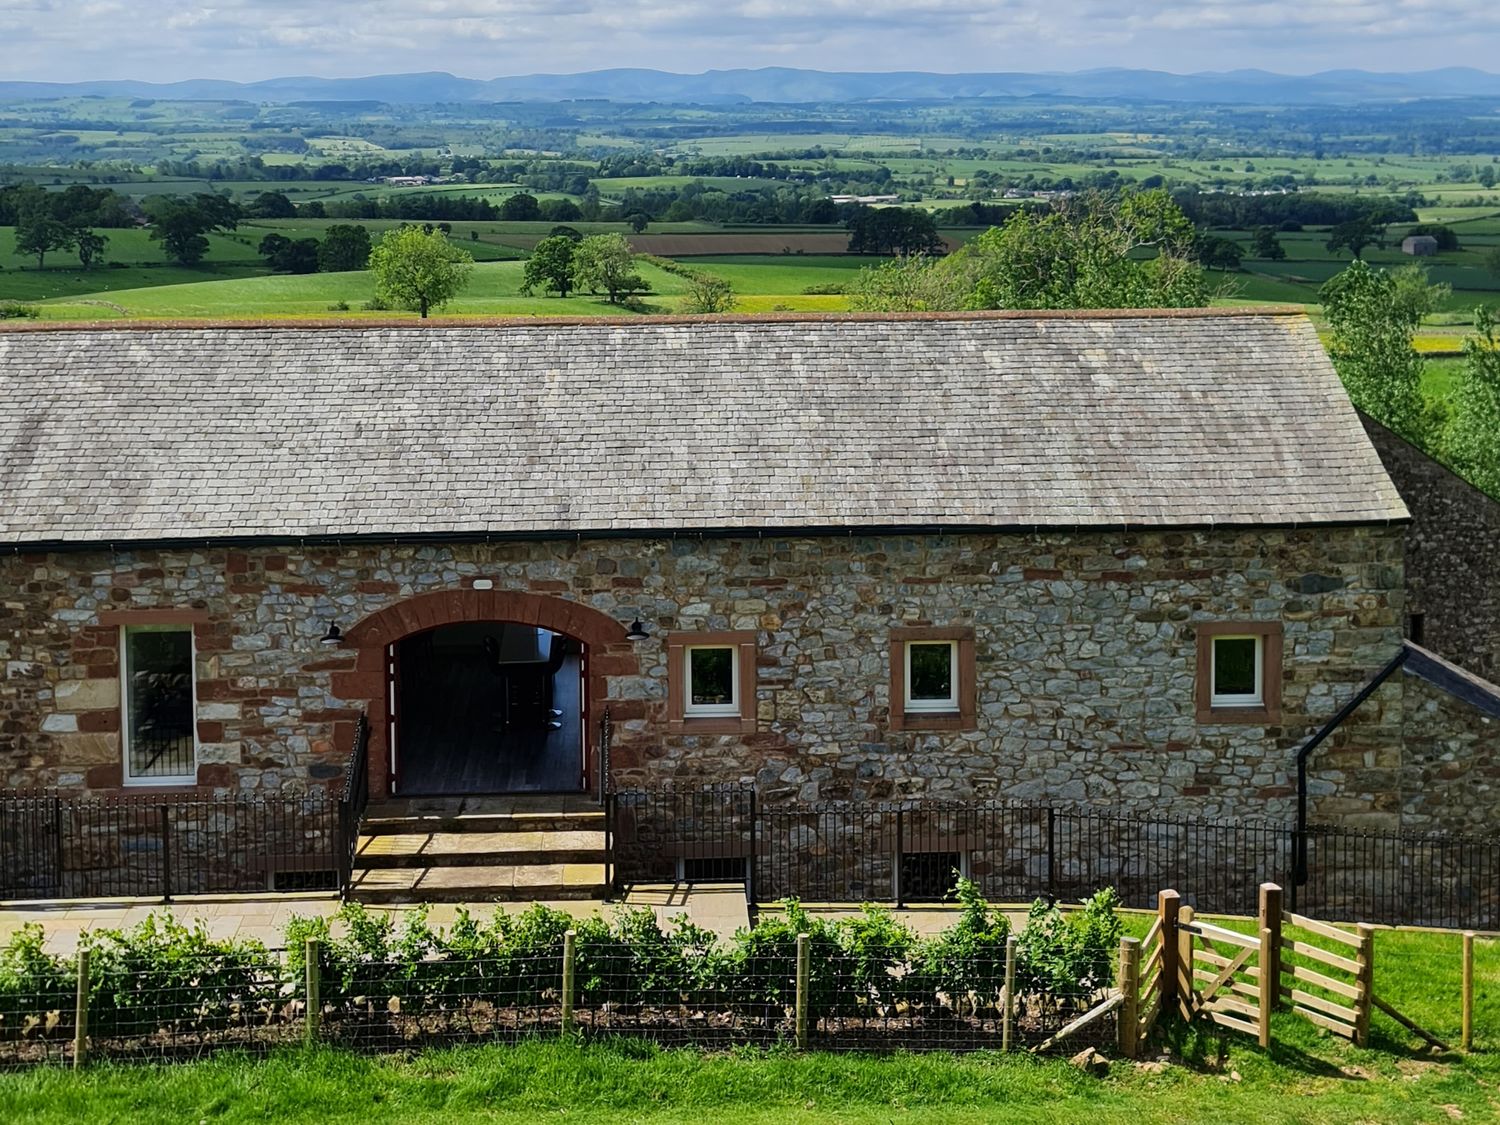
x=1197, y=970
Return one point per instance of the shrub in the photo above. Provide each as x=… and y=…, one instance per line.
x=1068, y=957
x=36, y=988
x=13, y=310
x=831, y=288
x=963, y=968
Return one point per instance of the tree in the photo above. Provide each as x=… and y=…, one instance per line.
x=893, y=230
x=1492, y=263
x=604, y=261
x=181, y=224
x=565, y=232
x=1473, y=444
x=1265, y=244
x=38, y=233
x=1219, y=253
x=90, y=247
x=271, y=205
x=550, y=266
x=638, y=221
x=1089, y=251
x=708, y=294
x=1372, y=315
x=417, y=270
x=1355, y=235
x=520, y=208
x=345, y=247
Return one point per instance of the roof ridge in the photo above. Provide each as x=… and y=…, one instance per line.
x=612, y=321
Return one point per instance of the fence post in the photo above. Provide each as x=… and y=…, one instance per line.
x=1186, y=989
x=570, y=960
x=750, y=892
x=1366, y=984
x=81, y=1012
x=804, y=969
x=896, y=889
x=1008, y=1021
x=1270, y=919
x=312, y=968
x=1270, y=983
x=1130, y=994
x=1167, y=903
x=166, y=853
x=1299, y=867
x=1052, y=853
x=1467, y=1040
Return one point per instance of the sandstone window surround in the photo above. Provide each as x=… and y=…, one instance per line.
x=158, y=695
x=1239, y=672
x=926, y=694
x=711, y=682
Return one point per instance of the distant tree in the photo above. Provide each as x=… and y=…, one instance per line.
x=605, y=261
x=90, y=247
x=1473, y=439
x=1487, y=176
x=893, y=230
x=550, y=266
x=271, y=245
x=271, y=205
x=312, y=209
x=565, y=232
x=708, y=294
x=1372, y=315
x=638, y=221
x=344, y=247
x=520, y=208
x=417, y=270
x=1355, y=235
x=1492, y=263
x=39, y=233
x=299, y=256
x=180, y=224
x=560, y=211
x=1219, y=253
x=1265, y=244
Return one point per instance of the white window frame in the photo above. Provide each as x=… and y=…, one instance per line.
x=1257, y=698
x=932, y=706
x=125, y=726
x=693, y=710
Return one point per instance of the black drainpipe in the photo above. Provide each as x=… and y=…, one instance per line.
x=1333, y=724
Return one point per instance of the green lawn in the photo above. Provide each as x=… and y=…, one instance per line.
x=1306, y=1076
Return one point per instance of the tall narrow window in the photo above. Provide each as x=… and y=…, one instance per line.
x=157, y=705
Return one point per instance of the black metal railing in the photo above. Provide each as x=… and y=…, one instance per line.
x=354, y=798
x=63, y=846
x=893, y=851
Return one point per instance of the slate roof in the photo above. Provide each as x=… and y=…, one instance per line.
x=148, y=434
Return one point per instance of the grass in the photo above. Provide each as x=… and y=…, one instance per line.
x=1306, y=1076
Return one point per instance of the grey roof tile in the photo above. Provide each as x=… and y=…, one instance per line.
x=209, y=432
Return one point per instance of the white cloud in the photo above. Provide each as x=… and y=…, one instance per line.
x=250, y=39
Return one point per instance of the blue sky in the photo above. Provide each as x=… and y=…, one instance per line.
x=71, y=40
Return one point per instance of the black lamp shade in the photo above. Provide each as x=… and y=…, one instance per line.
x=333, y=636
x=637, y=631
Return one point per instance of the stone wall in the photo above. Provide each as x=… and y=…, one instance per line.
x=1452, y=555
x=1450, y=776
x=1085, y=658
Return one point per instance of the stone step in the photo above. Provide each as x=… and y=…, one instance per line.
x=427, y=815
x=496, y=883
x=478, y=849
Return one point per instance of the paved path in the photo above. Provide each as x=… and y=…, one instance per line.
x=264, y=919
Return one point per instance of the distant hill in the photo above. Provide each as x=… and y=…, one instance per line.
x=786, y=85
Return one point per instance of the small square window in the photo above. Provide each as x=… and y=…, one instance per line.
x=1238, y=673
x=932, y=676
x=711, y=677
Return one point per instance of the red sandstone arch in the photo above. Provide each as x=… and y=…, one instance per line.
x=609, y=654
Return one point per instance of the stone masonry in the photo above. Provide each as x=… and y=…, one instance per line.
x=1085, y=653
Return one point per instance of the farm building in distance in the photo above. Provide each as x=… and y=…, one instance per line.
x=1027, y=556
x=1419, y=245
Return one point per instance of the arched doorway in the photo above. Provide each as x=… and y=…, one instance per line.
x=374, y=682
x=488, y=707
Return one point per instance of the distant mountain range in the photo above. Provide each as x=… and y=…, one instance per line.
x=785, y=85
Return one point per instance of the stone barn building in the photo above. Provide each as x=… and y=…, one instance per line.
x=1419, y=245
x=1103, y=558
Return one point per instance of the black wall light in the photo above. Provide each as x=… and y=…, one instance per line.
x=332, y=637
x=637, y=631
